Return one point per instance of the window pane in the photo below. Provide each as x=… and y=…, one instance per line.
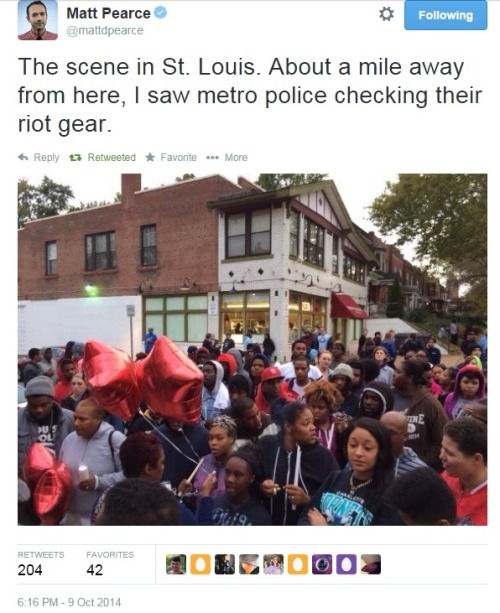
x=258, y=300
x=261, y=221
x=236, y=224
x=101, y=260
x=149, y=236
x=197, y=302
x=155, y=322
x=235, y=246
x=175, y=327
x=175, y=303
x=154, y=304
x=294, y=223
x=294, y=245
x=232, y=301
x=258, y=321
x=51, y=251
x=197, y=327
x=260, y=243
x=101, y=244
x=148, y=256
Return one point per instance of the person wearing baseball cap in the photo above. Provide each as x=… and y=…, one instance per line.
x=42, y=420
x=269, y=388
x=342, y=377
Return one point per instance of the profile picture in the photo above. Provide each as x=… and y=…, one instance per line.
x=224, y=564
x=37, y=20
x=273, y=564
x=371, y=564
x=322, y=564
x=249, y=564
x=176, y=564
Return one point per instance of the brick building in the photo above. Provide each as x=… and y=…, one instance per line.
x=196, y=256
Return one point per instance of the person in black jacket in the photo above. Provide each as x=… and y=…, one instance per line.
x=295, y=465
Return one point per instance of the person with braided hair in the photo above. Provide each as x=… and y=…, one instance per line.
x=221, y=439
x=238, y=505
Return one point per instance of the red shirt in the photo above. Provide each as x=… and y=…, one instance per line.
x=61, y=390
x=472, y=507
x=30, y=35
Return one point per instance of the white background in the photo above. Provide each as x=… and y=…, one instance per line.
x=359, y=146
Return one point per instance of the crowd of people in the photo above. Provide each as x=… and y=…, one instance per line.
x=384, y=437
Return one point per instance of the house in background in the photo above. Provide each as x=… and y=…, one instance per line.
x=205, y=255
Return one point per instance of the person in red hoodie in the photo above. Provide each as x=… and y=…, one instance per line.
x=269, y=389
x=464, y=456
x=294, y=389
x=63, y=388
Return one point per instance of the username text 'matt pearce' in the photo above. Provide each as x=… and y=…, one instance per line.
x=105, y=12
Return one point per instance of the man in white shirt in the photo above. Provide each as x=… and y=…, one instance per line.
x=299, y=349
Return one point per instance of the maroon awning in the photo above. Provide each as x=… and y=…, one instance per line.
x=344, y=306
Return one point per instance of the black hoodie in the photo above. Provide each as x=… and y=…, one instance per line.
x=316, y=463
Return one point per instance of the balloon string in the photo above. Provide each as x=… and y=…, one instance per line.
x=160, y=433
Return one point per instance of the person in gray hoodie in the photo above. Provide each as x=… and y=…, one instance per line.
x=92, y=454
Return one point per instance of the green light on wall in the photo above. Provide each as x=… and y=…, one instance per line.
x=91, y=290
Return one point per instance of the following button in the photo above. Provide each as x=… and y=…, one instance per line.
x=446, y=15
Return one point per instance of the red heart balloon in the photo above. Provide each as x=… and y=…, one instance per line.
x=111, y=378
x=52, y=494
x=37, y=461
x=170, y=383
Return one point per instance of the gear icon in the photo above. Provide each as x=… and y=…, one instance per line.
x=386, y=13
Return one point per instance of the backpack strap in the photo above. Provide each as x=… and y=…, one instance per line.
x=110, y=443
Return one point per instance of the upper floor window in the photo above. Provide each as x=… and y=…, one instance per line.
x=335, y=253
x=248, y=233
x=51, y=258
x=314, y=243
x=354, y=269
x=294, y=233
x=100, y=251
x=148, y=245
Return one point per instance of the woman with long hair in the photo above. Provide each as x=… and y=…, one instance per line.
x=324, y=361
x=381, y=356
x=354, y=496
x=295, y=464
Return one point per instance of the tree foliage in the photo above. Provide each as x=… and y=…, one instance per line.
x=39, y=201
x=187, y=176
x=395, y=307
x=445, y=216
x=272, y=182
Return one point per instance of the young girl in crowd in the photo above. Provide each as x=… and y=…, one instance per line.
x=381, y=356
x=221, y=438
x=323, y=399
x=295, y=464
x=238, y=505
x=354, y=497
x=469, y=388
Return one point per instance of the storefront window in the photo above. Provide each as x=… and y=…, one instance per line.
x=181, y=318
x=243, y=311
x=305, y=311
